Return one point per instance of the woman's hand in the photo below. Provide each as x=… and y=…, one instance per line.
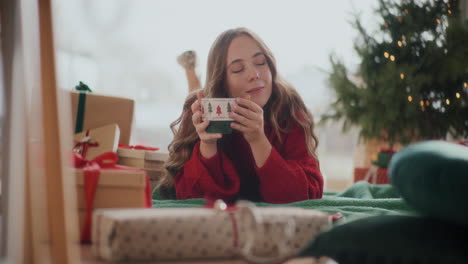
x=249, y=120
x=208, y=140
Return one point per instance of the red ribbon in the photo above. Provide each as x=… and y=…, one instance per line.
x=137, y=147
x=230, y=209
x=91, y=171
x=85, y=144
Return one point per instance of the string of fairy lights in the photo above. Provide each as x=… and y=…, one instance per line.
x=402, y=42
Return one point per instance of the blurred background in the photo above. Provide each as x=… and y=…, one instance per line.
x=129, y=49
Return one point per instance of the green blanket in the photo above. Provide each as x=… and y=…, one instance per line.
x=360, y=200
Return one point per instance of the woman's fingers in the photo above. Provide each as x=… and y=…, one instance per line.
x=207, y=137
x=241, y=119
x=239, y=127
x=196, y=118
x=197, y=103
x=249, y=104
x=201, y=126
x=199, y=96
x=247, y=113
x=204, y=136
x=195, y=106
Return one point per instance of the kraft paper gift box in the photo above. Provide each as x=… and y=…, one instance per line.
x=257, y=234
x=115, y=189
x=151, y=161
x=91, y=110
x=94, y=142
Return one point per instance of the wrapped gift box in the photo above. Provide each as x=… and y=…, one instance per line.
x=204, y=233
x=151, y=161
x=100, y=110
x=116, y=189
x=99, y=140
x=382, y=175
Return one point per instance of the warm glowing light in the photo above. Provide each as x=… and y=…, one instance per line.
x=386, y=55
x=407, y=11
x=403, y=38
x=400, y=43
x=402, y=76
x=447, y=101
x=465, y=85
x=422, y=108
x=421, y=103
x=427, y=103
x=438, y=21
x=392, y=58
x=450, y=11
x=457, y=95
x=410, y=99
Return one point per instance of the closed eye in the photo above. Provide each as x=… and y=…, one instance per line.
x=260, y=60
x=237, y=67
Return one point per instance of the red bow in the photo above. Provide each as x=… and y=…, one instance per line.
x=137, y=147
x=91, y=171
x=85, y=143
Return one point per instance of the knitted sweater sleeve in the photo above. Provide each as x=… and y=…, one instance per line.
x=292, y=174
x=215, y=177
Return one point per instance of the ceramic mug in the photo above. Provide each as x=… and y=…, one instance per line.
x=217, y=110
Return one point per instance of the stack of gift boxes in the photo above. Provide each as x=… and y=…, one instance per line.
x=109, y=173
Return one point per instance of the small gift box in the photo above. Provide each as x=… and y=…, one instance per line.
x=94, y=142
x=266, y=234
x=91, y=110
x=147, y=158
x=217, y=111
x=377, y=173
x=372, y=175
x=103, y=184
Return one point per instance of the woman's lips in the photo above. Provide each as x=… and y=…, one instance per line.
x=255, y=90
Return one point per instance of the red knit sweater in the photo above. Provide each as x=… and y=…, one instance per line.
x=288, y=175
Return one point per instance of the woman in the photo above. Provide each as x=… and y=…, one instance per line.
x=270, y=156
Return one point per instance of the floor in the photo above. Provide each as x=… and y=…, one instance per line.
x=86, y=258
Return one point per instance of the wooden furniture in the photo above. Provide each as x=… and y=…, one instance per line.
x=40, y=216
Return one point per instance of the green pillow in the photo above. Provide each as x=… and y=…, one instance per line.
x=392, y=239
x=432, y=177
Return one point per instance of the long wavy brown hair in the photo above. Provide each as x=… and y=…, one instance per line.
x=284, y=108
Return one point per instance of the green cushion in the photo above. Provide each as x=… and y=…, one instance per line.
x=432, y=177
x=392, y=239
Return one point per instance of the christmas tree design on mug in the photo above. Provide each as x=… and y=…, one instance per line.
x=217, y=111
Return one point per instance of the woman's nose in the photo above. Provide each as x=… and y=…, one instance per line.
x=253, y=73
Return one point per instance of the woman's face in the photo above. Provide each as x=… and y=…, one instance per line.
x=247, y=71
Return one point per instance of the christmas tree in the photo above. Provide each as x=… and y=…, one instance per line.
x=412, y=79
x=210, y=110
x=218, y=110
x=228, y=107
